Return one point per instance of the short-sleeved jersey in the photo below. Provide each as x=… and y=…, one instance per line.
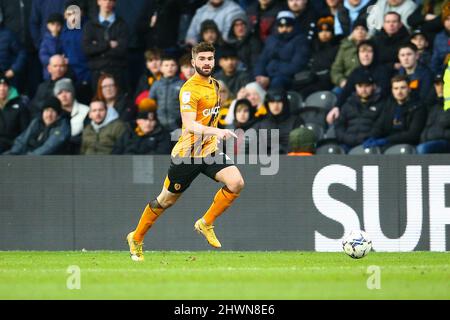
x=200, y=96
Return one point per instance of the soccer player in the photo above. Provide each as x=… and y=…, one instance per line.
x=193, y=154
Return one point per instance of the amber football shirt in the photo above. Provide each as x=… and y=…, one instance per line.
x=200, y=96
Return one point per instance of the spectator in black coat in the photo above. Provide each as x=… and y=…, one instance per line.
x=421, y=40
x=389, y=39
x=368, y=59
x=324, y=50
x=105, y=42
x=402, y=119
x=305, y=17
x=279, y=118
x=57, y=68
x=435, y=137
x=349, y=13
x=359, y=113
x=246, y=43
x=14, y=115
x=40, y=11
x=427, y=17
x=149, y=137
x=234, y=79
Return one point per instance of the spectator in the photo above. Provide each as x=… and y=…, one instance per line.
x=166, y=94
x=226, y=99
x=119, y=104
x=16, y=17
x=14, y=115
x=229, y=73
x=72, y=46
x=305, y=17
x=151, y=75
x=189, y=9
x=376, y=18
x=302, y=142
x=12, y=55
x=368, y=61
x=101, y=135
x=247, y=45
x=419, y=76
x=75, y=111
x=359, y=113
x=435, y=137
x=420, y=39
x=51, y=42
x=244, y=119
x=149, y=137
x=209, y=32
x=284, y=55
x=163, y=23
x=46, y=135
x=347, y=14
x=427, y=17
x=40, y=11
x=402, y=119
x=324, y=51
x=332, y=8
x=57, y=68
x=262, y=16
x=279, y=118
x=105, y=42
x=347, y=57
x=256, y=95
x=441, y=47
x=389, y=39
x=186, y=68
x=221, y=11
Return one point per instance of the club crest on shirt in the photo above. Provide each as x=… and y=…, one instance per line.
x=186, y=97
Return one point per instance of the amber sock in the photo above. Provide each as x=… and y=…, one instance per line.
x=151, y=213
x=222, y=201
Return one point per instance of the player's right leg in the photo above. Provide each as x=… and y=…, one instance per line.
x=151, y=213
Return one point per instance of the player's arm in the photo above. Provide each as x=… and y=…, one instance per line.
x=194, y=127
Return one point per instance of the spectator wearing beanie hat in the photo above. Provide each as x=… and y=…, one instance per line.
x=149, y=137
x=14, y=115
x=75, y=111
x=302, y=142
x=46, y=135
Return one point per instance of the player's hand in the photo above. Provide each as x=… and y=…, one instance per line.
x=225, y=134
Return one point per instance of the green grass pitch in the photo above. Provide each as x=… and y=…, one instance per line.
x=224, y=275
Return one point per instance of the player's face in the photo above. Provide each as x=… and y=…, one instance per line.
x=364, y=91
x=97, y=112
x=4, y=91
x=400, y=90
x=204, y=63
x=407, y=58
x=366, y=55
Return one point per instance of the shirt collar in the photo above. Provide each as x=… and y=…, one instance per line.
x=111, y=19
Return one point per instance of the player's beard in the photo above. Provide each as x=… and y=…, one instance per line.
x=203, y=73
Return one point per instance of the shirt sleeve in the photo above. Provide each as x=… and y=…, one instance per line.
x=188, y=100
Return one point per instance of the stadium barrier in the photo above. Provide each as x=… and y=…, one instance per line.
x=75, y=203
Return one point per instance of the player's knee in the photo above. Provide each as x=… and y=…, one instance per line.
x=236, y=185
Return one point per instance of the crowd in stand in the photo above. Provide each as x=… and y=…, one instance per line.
x=103, y=76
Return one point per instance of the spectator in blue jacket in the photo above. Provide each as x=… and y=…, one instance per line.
x=72, y=47
x=46, y=135
x=12, y=54
x=285, y=54
x=419, y=76
x=51, y=43
x=441, y=46
x=40, y=11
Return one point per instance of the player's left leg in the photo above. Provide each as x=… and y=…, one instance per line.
x=234, y=183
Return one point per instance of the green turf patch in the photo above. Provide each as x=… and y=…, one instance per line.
x=223, y=275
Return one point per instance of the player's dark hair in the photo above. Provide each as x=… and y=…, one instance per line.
x=202, y=47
